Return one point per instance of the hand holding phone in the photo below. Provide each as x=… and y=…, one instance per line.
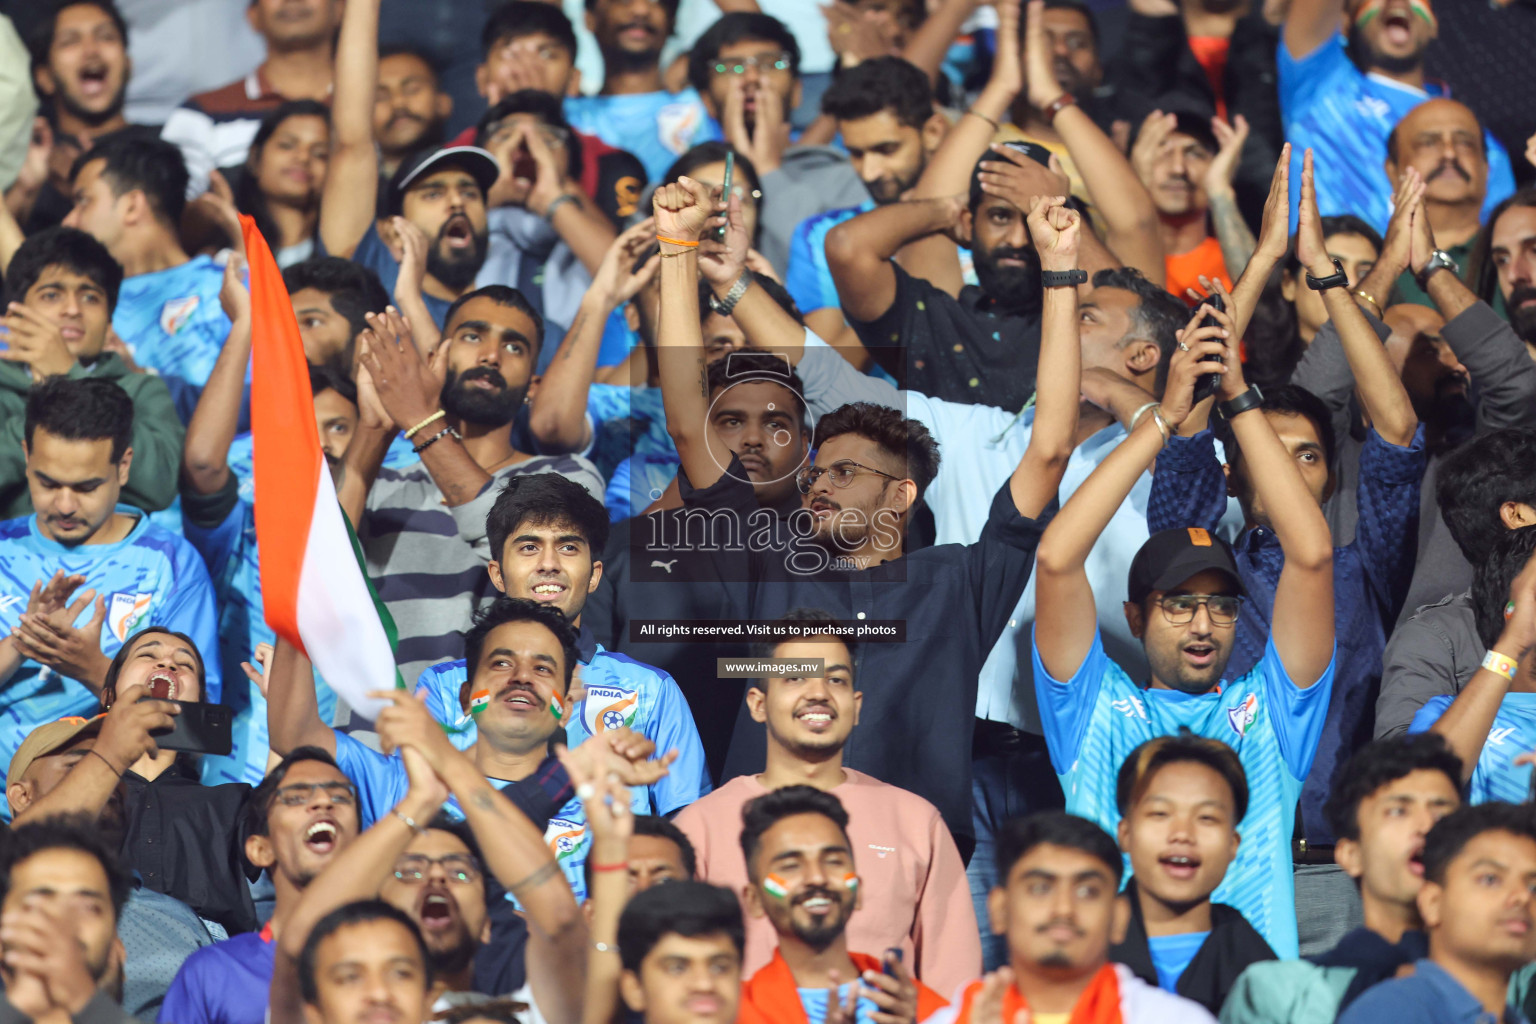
x=1206, y=384
x=725, y=191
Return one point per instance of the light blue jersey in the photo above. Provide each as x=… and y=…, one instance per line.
x=621, y=693
x=1345, y=116
x=1094, y=720
x=229, y=551
x=173, y=324
x=382, y=783
x=149, y=578
x=1496, y=776
x=657, y=127
x=808, y=278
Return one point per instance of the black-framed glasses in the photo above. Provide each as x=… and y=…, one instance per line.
x=459, y=867
x=762, y=63
x=1181, y=608
x=841, y=473
x=300, y=793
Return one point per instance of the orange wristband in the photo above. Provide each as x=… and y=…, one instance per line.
x=678, y=241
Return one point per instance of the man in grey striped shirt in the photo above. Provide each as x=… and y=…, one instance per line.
x=423, y=531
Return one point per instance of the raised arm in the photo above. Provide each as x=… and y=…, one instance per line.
x=1309, y=24
x=765, y=323
x=1302, y=623
x=859, y=251
x=1054, y=230
x=1118, y=196
x=1269, y=249
x=682, y=210
x=348, y=202
x=560, y=200
x=611, y=825
x=1232, y=233
x=1466, y=722
x=1381, y=390
x=1066, y=616
x=293, y=713
x=205, y=457
x=558, y=416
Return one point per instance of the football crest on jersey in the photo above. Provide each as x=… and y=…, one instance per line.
x=676, y=124
x=609, y=707
x=565, y=837
x=175, y=313
x=1242, y=716
x=127, y=613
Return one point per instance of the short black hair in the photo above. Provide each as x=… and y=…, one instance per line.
x=1477, y=478
x=659, y=827
x=546, y=499
x=353, y=291
x=517, y=19
x=547, y=107
x=1451, y=834
x=1492, y=577
x=70, y=248
x=328, y=378
x=1158, y=317
x=258, y=806
x=75, y=831
x=1379, y=764
x=809, y=620
x=734, y=28
x=749, y=365
x=762, y=813
x=516, y=609
x=81, y=409
x=502, y=295
x=689, y=909
x=41, y=42
x=134, y=160
x=885, y=83
x=461, y=830
x=115, y=667
x=502, y=1011
x=1141, y=764
x=1080, y=8
x=1055, y=828
x=345, y=916
x=1287, y=400
x=420, y=53
x=904, y=438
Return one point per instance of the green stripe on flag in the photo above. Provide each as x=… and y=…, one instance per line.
x=385, y=619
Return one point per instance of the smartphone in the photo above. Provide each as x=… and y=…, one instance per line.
x=1207, y=383
x=725, y=190
x=199, y=729
x=892, y=954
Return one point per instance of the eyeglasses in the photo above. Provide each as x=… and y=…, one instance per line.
x=458, y=867
x=1181, y=608
x=841, y=474
x=553, y=135
x=762, y=63
x=301, y=793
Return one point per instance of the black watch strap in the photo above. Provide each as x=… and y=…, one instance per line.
x=1337, y=279
x=1063, y=278
x=1250, y=399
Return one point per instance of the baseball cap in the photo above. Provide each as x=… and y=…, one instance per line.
x=480, y=164
x=47, y=739
x=1170, y=557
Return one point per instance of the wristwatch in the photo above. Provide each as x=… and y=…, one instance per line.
x=1337, y=279
x=725, y=305
x=1438, y=260
x=1250, y=399
x=1063, y=278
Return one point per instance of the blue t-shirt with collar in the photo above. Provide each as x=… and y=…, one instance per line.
x=1171, y=955
x=1094, y=720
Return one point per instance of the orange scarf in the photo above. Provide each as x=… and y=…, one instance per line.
x=1099, y=1003
x=771, y=994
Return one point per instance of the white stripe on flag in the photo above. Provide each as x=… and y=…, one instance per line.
x=341, y=629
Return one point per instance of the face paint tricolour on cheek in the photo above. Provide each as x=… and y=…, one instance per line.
x=776, y=887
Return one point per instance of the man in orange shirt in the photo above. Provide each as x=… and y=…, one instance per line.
x=1187, y=161
x=802, y=878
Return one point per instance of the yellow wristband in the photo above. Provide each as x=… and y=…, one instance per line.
x=1500, y=664
x=430, y=419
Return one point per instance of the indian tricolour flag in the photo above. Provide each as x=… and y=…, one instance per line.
x=316, y=593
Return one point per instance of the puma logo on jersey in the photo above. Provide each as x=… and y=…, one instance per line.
x=658, y=564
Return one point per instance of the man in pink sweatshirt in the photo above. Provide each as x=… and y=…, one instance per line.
x=916, y=895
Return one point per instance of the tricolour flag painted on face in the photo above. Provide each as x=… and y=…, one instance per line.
x=479, y=702
x=316, y=594
x=776, y=887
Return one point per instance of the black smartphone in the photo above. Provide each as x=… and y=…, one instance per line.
x=725, y=191
x=199, y=729
x=1206, y=384
x=892, y=954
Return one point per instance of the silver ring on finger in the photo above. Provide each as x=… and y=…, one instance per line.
x=1183, y=347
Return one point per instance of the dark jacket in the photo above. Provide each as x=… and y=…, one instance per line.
x=1228, y=951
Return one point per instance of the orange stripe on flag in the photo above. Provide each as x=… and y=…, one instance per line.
x=285, y=438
